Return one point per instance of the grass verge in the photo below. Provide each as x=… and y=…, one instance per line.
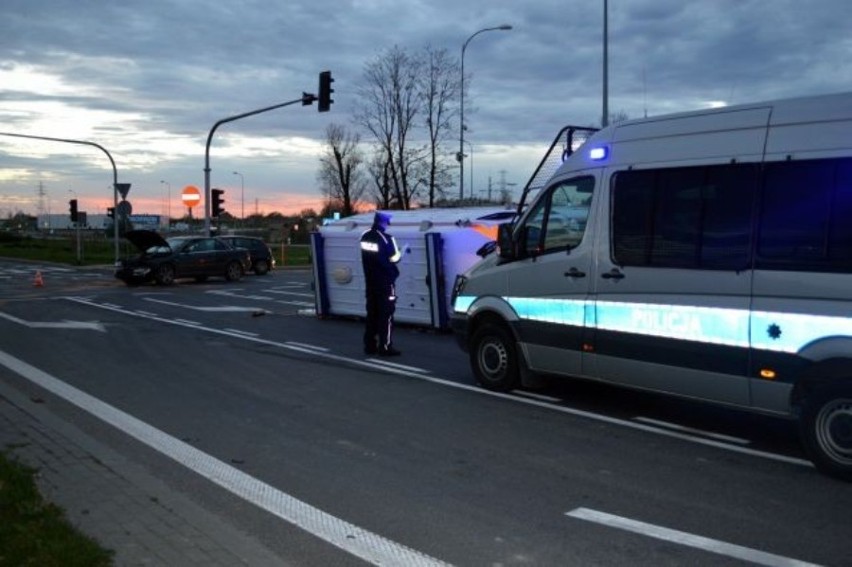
x=35, y=532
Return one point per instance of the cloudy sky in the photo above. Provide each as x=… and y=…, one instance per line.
x=148, y=79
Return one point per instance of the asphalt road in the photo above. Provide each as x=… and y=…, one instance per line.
x=409, y=450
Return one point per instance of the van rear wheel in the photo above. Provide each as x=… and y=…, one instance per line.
x=826, y=428
x=494, y=358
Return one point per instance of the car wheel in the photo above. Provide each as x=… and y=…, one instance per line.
x=233, y=272
x=494, y=359
x=826, y=428
x=261, y=267
x=165, y=274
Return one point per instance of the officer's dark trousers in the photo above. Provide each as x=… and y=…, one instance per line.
x=381, y=304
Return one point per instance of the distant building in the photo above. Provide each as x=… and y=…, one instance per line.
x=98, y=222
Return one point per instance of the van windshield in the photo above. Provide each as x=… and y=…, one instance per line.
x=557, y=221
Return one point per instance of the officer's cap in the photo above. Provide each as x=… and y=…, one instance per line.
x=381, y=218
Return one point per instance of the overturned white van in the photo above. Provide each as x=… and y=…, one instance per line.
x=442, y=243
x=705, y=254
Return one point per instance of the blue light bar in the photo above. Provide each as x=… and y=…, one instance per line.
x=598, y=153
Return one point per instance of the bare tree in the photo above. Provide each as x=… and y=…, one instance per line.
x=340, y=177
x=379, y=170
x=440, y=88
x=389, y=103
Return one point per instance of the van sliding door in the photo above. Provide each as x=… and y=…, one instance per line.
x=672, y=287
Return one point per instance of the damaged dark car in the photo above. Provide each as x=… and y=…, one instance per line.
x=165, y=260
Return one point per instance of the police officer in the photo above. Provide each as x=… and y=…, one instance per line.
x=379, y=257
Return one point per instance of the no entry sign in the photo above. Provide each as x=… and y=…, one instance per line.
x=190, y=196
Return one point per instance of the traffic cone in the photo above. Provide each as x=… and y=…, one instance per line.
x=39, y=281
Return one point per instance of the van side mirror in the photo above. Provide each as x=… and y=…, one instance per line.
x=504, y=241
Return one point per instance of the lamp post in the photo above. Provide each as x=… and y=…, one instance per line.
x=168, y=205
x=460, y=156
x=242, y=195
x=469, y=145
x=605, y=118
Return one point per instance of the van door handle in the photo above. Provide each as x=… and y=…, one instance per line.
x=613, y=274
x=574, y=273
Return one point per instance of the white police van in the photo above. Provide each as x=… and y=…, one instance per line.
x=704, y=254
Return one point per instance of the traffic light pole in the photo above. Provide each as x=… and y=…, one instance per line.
x=85, y=143
x=306, y=99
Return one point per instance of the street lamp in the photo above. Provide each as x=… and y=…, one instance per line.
x=605, y=118
x=242, y=195
x=460, y=156
x=469, y=145
x=168, y=205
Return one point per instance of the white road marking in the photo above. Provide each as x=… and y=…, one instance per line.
x=357, y=541
x=535, y=396
x=383, y=362
x=677, y=427
x=690, y=540
x=181, y=321
x=304, y=345
x=216, y=309
x=147, y=313
x=246, y=333
x=229, y=293
x=295, y=303
x=297, y=294
x=80, y=325
x=482, y=392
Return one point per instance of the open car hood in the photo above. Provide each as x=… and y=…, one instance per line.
x=145, y=239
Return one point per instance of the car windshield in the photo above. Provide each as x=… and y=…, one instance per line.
x=175, y=243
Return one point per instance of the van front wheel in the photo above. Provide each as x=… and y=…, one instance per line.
x=494, y=359
x=826, y=426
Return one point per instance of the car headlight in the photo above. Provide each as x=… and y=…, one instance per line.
x=458, y=287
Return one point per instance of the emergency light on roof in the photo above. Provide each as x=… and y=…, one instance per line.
x=598, y=153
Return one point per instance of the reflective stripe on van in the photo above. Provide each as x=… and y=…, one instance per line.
x=769, y=331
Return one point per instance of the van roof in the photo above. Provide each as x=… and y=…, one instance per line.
x=729, y=132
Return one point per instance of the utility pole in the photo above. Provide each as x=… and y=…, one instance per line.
x=306, y=99
x=605, y=117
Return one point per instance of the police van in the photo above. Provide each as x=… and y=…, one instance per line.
x=705, y=254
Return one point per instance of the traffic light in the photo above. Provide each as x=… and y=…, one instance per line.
x=217, y=209
x=72, y=204
x=325, y=91
x=111, y=212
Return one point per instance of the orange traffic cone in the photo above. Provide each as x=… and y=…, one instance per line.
x=38, y=282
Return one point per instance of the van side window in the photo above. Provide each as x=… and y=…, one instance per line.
x=558, y=221
x=689, y=217
x=806, y=210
